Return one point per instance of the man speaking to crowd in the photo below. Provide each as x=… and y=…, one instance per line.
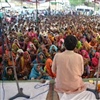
x=69, y=67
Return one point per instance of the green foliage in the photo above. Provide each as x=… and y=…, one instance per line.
x=76, y=2
x=53, y=3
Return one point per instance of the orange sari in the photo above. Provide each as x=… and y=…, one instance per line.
x=48, y=65
x=10, y=63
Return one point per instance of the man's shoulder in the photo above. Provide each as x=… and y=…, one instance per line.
x=58, y=54
x=63, y=53
x=77, y=54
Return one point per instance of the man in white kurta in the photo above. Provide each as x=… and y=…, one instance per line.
x=69, y=67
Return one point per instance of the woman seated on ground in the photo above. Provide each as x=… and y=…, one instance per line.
x=39, y=59
x=48, y=66
x=38, y=73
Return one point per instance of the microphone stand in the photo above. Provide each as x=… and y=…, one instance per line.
x=20, y=90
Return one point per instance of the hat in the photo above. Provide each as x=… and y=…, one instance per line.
x=20, y=51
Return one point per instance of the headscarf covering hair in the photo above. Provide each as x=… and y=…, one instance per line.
x=95, y=59
x=34, y=73
x=85, y=53
x=20, y=51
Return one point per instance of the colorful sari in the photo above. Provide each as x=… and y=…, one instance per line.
x=30, y=46
x=48, y=65
x=79, y=45
x=95, y=59
x=87, y=45
x=22, y=69
x=27, y=61
x=84, y=53
x=53, y=48
x=35, y=74
x=31, y=35
x=15, y=46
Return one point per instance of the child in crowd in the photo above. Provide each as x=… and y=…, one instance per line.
x=9, y=74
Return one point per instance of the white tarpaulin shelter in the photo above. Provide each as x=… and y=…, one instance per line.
x=6, y=5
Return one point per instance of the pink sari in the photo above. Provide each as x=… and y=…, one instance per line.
x=30, y=45
x=32, y=35
x=95, y=59
x=85, y=54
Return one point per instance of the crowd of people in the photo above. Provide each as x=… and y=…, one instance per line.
x=33, y=44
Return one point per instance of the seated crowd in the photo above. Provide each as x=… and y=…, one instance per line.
x=33, y=48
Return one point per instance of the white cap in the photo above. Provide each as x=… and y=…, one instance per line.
x=20, y=51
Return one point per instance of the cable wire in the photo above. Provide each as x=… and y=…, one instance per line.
x=37, y=86
x=38, y=95
x=3, y=90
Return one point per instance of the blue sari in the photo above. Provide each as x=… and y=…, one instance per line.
x=35, y=73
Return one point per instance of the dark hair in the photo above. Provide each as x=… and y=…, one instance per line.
x=70, y=42
x=9, y=68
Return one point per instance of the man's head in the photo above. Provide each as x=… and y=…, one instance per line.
x=70, y=42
